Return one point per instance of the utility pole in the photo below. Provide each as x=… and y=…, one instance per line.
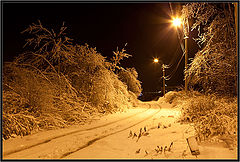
x=163, y=67
x=186, y=36
x=186, y=60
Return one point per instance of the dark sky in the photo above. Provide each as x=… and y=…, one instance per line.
x=106, y=26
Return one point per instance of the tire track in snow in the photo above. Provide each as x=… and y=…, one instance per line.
x=103, y=136
x=71, y=133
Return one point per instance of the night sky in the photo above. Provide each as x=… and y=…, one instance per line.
x=106, y=26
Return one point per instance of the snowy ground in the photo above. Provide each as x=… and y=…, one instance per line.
x=112, y=137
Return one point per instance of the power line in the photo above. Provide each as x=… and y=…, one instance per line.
x=174, y=71
x=183, y=50
x=167, y=66
x=182, y=47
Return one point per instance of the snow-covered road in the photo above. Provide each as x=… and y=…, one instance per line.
x=137, y=133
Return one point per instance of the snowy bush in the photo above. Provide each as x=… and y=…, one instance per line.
x=60, y=83
x=129, y=77
x=212, y=116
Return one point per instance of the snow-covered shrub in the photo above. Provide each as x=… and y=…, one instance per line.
x=171, y=96
x=133, y=99
x=48, y=102
x=61, y=83
x=16, y=119
x=211, y=115
x=129, y=77
x=177, y=97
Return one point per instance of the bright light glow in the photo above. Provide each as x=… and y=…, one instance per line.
x=176, y=21
x=155, y=60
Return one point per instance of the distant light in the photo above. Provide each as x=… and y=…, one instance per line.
x=176, y=21
x=155, y=60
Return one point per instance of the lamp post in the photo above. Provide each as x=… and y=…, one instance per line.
x=163, y=67
x=177, y=23
x=186, y=60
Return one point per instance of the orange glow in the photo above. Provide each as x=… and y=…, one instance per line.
x=176, y=21
x=155, y=60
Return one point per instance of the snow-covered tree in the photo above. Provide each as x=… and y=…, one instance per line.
x=214, y=67
x=129, y=77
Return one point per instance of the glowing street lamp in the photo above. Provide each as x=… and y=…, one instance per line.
x=155, y=60
x=176, y=22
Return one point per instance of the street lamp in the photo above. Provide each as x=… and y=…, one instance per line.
x=163, y=67
x=177, y=22
x=155, y=60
